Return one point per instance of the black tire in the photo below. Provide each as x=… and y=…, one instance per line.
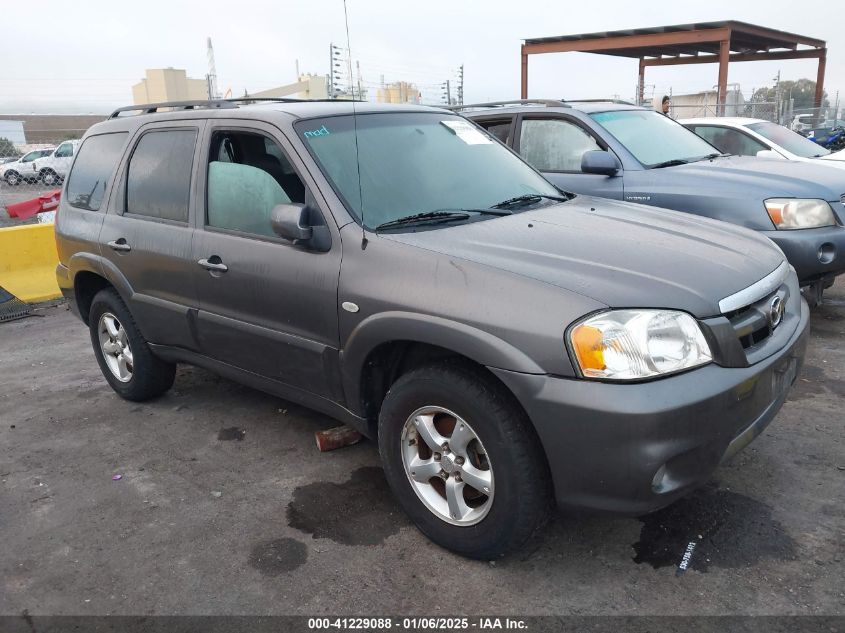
x=49, y=177
x=522, y=496
x=150, y=376
x=13, y=178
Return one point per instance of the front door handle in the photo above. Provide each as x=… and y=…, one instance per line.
x=119, y=245
x=216, y=266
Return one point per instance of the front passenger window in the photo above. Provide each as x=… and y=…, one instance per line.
x=248, y=175
x=554, y=144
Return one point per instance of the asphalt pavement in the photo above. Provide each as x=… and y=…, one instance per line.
x=214, y=500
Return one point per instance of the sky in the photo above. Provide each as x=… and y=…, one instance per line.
x=84, y=56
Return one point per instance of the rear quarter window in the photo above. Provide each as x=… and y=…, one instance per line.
x=93, y=169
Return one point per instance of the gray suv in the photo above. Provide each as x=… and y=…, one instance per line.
x=396, y=268
x=617, y=150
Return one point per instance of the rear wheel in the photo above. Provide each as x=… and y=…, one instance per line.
x=49, y=177
x=13, y=178
x=125, y=359
x=463, y=460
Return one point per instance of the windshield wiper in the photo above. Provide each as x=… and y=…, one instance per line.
x=438, y=216
x=671, y=163
x=529, y=197
x=709, y=156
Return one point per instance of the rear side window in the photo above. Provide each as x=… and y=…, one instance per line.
x=159, y=179
x=93, y=169
x=500, y=129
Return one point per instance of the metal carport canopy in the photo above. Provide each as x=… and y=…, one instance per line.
x=699, y=43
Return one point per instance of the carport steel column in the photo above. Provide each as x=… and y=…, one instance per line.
x=724, y=55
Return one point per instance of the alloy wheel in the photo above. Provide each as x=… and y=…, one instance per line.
x=114, y=345
x=447, y=466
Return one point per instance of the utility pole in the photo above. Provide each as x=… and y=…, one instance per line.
x=777, y=99
x=461, y=85
x=448, y=93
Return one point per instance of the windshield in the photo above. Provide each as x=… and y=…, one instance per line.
x=653, y=138
x=790, y=141
x=416, y=162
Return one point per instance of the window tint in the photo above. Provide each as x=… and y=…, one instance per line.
x=554, y=144
x=500, y=129
x=248, y=175
x=65, y=150
x=729, y=141
x=159, y=180
x=92, y=170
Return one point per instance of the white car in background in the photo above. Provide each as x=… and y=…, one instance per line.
x=20, y=170
x=52, y=169
x=756, y=137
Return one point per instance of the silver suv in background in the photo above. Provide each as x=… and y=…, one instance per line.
x=52, y=169
x=617, y=150
x=396, y=268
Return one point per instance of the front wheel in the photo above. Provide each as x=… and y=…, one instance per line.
x=463, y=460
x=124, y=357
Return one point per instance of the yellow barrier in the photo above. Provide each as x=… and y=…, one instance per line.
x=28, y=261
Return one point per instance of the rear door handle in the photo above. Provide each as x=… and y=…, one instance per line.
x=217, y=266
x=119, y=245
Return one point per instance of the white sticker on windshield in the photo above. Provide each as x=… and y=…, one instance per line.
x=467, y=132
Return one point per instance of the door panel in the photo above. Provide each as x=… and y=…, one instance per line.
x=266, y=305
x=147, y=236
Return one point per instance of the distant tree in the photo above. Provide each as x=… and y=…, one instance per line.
x=7, y=148
x=803, y=92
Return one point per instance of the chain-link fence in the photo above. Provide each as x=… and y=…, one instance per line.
x=33, y=166
x=755, y=110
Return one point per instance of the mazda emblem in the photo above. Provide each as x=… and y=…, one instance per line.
x=776, y=309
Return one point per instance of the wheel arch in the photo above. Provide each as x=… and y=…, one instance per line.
x=385, y=346
x=91, y=274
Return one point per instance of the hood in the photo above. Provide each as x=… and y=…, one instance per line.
x=838, y=157
x=770, y=177
x=620, y=254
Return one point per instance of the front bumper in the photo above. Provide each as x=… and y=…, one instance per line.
x=815, y=253
x=634, y=448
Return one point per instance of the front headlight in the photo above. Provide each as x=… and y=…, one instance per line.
x=795, y=213
x=637, y=344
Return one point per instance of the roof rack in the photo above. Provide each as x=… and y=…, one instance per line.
x=616, y=101
x=151, y=108
x=492, y=104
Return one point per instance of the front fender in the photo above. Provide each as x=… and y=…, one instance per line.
x=477, y=345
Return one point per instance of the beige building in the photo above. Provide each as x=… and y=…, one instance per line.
x=168, y=84
x=308, y=87
x=399, y=92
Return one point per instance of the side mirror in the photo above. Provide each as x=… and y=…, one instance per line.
x=290, y=221
x=599, y=162
x=768, y=153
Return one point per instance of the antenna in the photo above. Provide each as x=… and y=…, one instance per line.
x=355, y=127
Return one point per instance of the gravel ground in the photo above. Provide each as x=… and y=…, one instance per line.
x=224, y=506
